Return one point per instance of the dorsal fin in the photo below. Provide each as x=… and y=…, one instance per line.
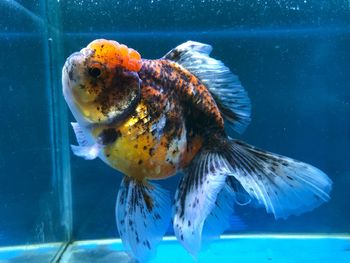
x=224, y=86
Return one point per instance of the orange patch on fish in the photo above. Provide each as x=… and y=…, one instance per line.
x=112, y=54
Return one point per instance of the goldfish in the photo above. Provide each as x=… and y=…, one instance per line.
x=153, y=119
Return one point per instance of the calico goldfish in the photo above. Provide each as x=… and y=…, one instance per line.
x=152, y=119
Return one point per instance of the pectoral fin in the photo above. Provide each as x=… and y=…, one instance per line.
x=88, y=152
x=84, y=149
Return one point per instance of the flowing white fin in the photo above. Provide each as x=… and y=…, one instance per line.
x=241, y=196
x=88, y=152
x=230, y=96
x=84, y=149
x=283, y=185
x=79, y=134
x=222, y=217
x=196, y=196
x=143, y=213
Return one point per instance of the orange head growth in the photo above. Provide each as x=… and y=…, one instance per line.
x=113, y=54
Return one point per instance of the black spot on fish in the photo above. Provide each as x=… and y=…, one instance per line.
x=286, y=164
x=157, y=216
x=147, y=244
x=151, y=151
x=70, y=74
x=148, y=200
x=108, y=136
x=174, y=55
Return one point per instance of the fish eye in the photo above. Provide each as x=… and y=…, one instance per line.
x=94, y=72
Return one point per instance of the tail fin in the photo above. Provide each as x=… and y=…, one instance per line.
x=222, y=217
x=196, y=197
x=283, y=185
x=204, y=201
x=143, y=214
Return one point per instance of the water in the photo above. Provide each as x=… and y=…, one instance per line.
x=292, y=57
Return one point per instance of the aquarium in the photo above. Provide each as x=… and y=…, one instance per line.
x=293, y=60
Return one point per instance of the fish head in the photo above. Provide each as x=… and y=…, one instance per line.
x=101, y=82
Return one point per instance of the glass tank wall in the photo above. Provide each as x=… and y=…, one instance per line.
x=35, y=205
x=292, y=57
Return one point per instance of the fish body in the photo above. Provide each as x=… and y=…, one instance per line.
x=151, y=119
x=155, y=141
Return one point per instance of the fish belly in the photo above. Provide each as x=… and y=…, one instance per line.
x=147, y=157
